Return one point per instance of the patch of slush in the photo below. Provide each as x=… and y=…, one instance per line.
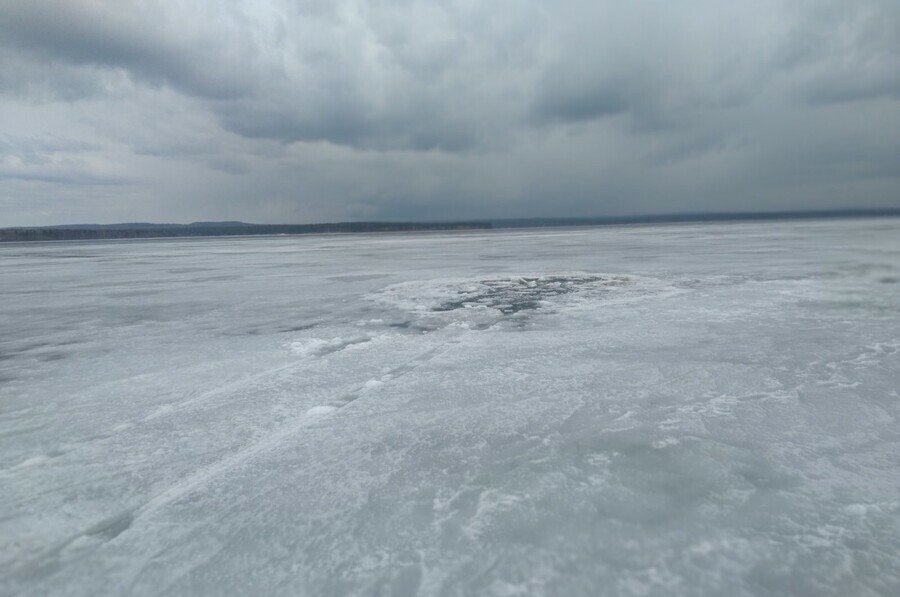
x=505, y=294
x=480, y=303
x=525, y=293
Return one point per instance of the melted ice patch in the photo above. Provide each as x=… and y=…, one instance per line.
x=525, y=293
x=483, y=302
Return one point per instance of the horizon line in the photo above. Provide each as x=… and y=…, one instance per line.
x=631, y=218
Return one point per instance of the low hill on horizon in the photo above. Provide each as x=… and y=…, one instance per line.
x=238, y=228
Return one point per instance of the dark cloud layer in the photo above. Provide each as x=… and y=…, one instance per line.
x=141, y=38
x=278, y=110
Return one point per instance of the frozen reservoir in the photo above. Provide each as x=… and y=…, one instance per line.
x=672, y=410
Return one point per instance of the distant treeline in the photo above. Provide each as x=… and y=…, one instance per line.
x=694, y=217
x=112, y=231
x=146, y=230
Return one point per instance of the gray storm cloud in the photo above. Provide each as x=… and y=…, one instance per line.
x=277, y=111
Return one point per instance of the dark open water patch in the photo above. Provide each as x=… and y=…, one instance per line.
x=512, y=295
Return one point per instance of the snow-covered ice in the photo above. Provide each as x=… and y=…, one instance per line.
x=650, y=410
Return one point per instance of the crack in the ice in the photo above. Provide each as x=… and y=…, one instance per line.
x=108, y=529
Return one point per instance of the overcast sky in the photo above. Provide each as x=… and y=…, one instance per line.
x=301, y=111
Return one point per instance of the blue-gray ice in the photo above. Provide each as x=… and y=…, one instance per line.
x=654, y=410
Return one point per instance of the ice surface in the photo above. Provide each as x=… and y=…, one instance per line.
x=651, y=410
